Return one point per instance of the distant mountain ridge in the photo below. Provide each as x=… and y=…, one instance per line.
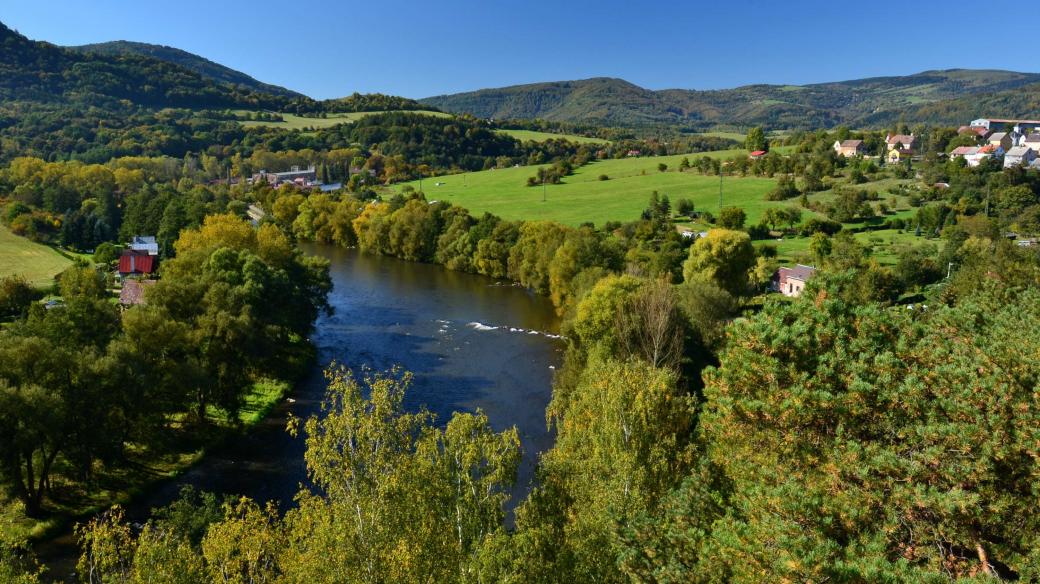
x=931, y=96
x=190, y=61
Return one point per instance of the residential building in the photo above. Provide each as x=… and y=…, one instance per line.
x=757, y=154
x=898, y=155
x=791, y=281
x=901, y=141
x=144, y=243
x=847, y=148
x=962, y=151
x=1032, y=141
x=1002, y=139
x=987, y=151
x=1019, y=156
x=979, y=131
x=137, y=263
x=132, y=293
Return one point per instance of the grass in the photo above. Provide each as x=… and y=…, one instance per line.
x=36, y=262
x=295, y=122
x=533, y=136
x=583, y=197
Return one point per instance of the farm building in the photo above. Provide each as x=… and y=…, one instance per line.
x=791, y=281
x=144, y=243
x=137, y=263
x=848, y=148
x=995, y=124
x=302, y=178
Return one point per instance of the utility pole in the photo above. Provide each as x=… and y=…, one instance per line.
x=543, y=188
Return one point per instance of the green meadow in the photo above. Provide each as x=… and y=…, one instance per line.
x=295, y=122
x=35, y=262
x=584, y=197
x=533, y=136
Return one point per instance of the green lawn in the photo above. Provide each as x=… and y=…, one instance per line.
x=526, y=135
x=884, y=243
x=37, y=263
x=295, y=122
x=583, y=197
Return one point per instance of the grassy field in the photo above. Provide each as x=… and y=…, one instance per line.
x=295, y=122
x=583, y=197
x=525, y=135
x=37, y=263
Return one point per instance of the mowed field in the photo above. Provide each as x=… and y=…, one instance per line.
x=37, y=263
x=533, y=136
x=583, y=197
x=295, y=122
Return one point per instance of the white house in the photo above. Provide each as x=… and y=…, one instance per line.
x=1019, y=156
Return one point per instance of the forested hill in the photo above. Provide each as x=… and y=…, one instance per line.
x=191, y=61
x=41, y=72
x=936, y=96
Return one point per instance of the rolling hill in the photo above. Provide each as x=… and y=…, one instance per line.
x=946, y=96
x=190, y=61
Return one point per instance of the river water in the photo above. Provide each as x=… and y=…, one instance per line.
x=471, y=342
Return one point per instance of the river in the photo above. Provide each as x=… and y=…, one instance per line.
x=471, y=342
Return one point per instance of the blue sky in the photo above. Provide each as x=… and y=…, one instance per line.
x=420, y=48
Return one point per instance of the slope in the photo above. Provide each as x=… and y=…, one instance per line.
x=855, y=102
x=190, y=61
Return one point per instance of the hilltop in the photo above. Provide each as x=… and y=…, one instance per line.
x=201, y=65
x=947, y=96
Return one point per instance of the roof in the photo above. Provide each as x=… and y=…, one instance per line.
x=1033, y=138
x=759, y=153
x=997, y=137
x=133, y=292
x=143, y=239
x=901, y=139
x=799, y=272
x=1019, y=151
x=987, y=149
x=851, y=143
x=964, y=150
x=136, y=263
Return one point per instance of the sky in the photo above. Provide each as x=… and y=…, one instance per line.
x=418, y=48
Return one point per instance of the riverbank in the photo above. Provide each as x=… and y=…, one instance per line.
x=143, y=472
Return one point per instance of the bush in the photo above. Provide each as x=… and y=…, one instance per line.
x=604, y=177
x=759, y=231
x=816, y=225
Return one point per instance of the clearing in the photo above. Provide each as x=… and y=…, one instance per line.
x=295, y=122
x=36, y=262
x=533, y=136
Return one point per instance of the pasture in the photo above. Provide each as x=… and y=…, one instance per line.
x=583, y=197
x=37, y=263
x=295, y=122
x=533, y=136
